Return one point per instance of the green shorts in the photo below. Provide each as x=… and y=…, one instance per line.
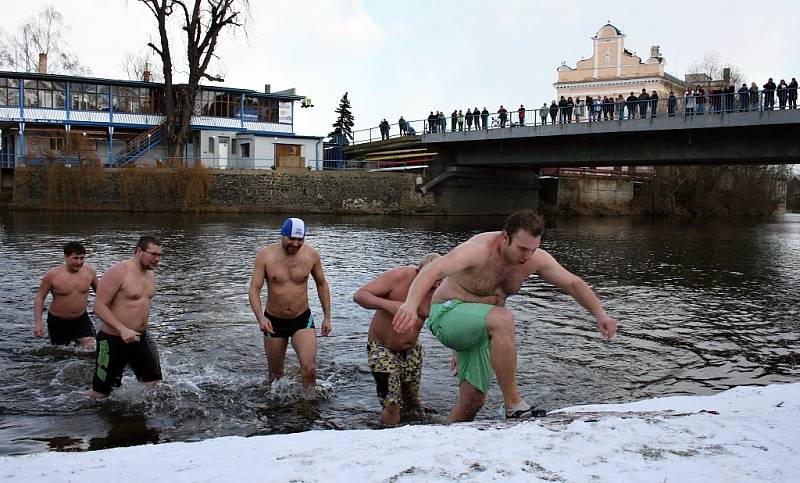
x=461, y=326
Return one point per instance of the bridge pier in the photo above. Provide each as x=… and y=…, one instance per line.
x=484, y=191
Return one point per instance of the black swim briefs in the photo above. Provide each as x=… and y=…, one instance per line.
x=64, y=331
x=113, y=354
x=286, y=328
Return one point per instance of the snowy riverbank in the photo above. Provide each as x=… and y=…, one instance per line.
x=744, y=434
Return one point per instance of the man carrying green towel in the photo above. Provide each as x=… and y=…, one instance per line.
x=468, y=312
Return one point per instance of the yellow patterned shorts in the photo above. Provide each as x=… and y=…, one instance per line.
x=397, y=374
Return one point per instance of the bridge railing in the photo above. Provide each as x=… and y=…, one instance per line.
x=686, y=104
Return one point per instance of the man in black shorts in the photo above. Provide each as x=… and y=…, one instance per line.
x=285, y=267
x=69, y=284
x=123, y=305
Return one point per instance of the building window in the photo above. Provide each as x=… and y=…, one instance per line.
x=56, y=144
x=218, y=104
x=47, y=94
x=9, y=92
x=133, y=99
x=245, y=150
x=211, y=145
x=88, y=97
x=260, y=109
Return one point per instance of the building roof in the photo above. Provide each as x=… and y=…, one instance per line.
x=137, y=83
x=616, y=30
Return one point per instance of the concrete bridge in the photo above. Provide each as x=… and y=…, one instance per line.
x=497, y=170
x=757, y=137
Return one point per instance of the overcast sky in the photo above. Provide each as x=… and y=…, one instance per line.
x=409, y=57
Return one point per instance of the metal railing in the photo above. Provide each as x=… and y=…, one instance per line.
x=684, y=105
x=76, y=160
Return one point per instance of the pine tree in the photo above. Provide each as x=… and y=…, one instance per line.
x=343, y=127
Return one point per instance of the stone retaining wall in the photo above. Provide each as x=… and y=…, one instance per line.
x=228, y=190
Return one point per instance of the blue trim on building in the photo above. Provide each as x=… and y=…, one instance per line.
x=68, y=100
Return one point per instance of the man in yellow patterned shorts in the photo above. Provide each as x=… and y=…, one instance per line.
x=395, y=359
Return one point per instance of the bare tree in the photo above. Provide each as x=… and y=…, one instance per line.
x=712, y=66
x=135, y=65
x=42, y=33
x=202, y=21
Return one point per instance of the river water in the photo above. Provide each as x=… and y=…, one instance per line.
x=703, y=307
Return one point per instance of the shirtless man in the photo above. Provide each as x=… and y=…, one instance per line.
x=468, y=312
x=123, y=305
x=285, y=267
x=395, y=359
x=67, y=319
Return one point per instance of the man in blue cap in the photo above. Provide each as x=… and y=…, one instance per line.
x=285, y=267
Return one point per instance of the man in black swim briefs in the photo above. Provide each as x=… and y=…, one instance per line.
x=69, y=284
x=285, y=267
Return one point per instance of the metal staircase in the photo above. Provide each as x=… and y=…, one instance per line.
x=141, y=144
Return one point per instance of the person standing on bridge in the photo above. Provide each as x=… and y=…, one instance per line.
x=553, y=112
x=672, y=104
x=700, y=100
x=468, y=311
x=744, y=98
x=630, y=105
x=755, y=96
x=502, y=113
x=580, y=110
x=401, y=123
x=619, y=103
x=653, y=104
x=689, y=103
x=469, y=119
x=543, y=113
x=570, y=108
x=769, y=95
x=562, y=110
x=453, y=120
x=521, y=115
x=644, y=97
x=782, y=94
x=485, y=118
x=384, y=129
x=460, y=120
x=793, y=94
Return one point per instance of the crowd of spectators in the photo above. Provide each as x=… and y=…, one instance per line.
x=695, y=101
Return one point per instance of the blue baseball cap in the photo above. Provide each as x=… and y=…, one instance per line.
x=294, y=228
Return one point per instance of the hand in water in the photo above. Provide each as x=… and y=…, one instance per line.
x=607, y=326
